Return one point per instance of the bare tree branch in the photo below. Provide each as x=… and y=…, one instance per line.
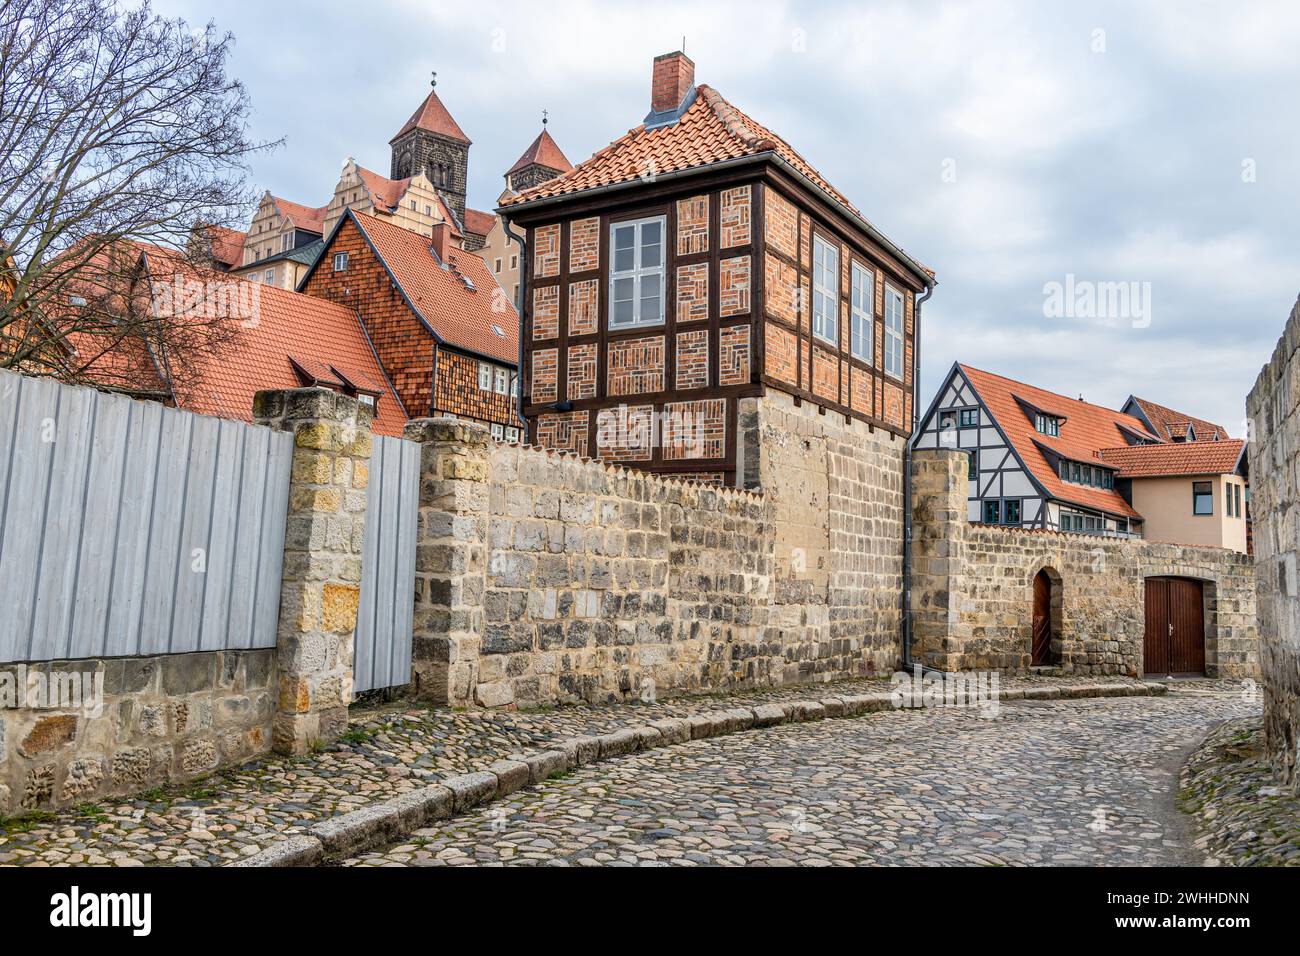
x=121, y=134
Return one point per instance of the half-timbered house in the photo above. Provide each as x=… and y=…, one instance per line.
x=694, y=262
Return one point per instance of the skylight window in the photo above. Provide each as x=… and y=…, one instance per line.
x=499, y=331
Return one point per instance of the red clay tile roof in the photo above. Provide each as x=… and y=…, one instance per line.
x=433, y=117
x=227, y=245
x=479, y=222
x=460, y=316
x=302, y=217
x=315, y=332
x=711, y=130
x=1183, y=458
x=1088, y=429
x=543, y=152
x=1170, y=424
x=385, y=193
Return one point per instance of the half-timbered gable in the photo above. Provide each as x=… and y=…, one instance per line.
x=443, y=329
x=1035, y=456
x=697, y=261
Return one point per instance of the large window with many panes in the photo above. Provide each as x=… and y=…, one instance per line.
x=893, y=332
x=860, y=308
x=636, y=275
x=826, y=274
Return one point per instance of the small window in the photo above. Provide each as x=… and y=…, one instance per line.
x=77, y=301
x=947, y=421
x=1202, y=498
x=512, y=434
x=1065, y=471
x=860, y=307
x=496, y=266
x=498, y=331
x=1076, y=473
x=340, y=262
x=498, y=432
x=972, y=465
x=992, y=512
x=501, y=381
x=414, y=206
x=636, y=277
x=1236, y=494
x=893, y=332
x=970, y=417
x=428, y=210
x=1011, y=511
x=826, y=280
x=1047, y=425
x=269, y=277
x=1107, y=479
x=485, y=376
x=514, y=262
x=367, y=400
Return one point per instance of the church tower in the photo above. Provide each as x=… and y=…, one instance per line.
x=541, y=161
x=432, y=143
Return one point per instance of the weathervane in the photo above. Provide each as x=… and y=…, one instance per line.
x=433, y=78
x=545, y=113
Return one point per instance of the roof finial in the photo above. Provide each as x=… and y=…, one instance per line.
x=545, y=113
x=683, y=43
x=433, y=79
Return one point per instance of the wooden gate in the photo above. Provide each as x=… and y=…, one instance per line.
x=1041, y=646
x=1174, y=640
x=382, y=654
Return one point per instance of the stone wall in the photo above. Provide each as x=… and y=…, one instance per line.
x=129, y=724
x=972, y=597
x=1275, y=509
x=544, y=577
x=73, y=731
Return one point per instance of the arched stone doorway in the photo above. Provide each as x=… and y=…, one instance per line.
x=1045, y=635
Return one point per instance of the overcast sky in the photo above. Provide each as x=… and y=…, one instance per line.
x=1004, y=144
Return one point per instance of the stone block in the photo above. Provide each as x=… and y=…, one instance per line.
x=471, y=789
x=550, y=763
x=618, y=743
x=511, y=775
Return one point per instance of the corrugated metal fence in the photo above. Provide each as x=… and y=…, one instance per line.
x=129, y=529
x=382, y=652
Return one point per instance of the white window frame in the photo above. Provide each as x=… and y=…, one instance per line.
x=894, y=335
x=862, y=321
x=826, y=322
x=638, y=273
x=501, y=381
x=498, y=431
x=485, y=376
x=340, y=262
x=268, y=277
x=512, y=433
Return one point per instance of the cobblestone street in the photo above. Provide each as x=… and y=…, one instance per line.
x=1072, y=782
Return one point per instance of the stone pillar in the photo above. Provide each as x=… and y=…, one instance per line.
x=450, y=558
x=939, y=489
x=321, y=581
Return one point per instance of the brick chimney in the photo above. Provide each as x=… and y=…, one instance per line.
x=441, y=240
x=674, y=75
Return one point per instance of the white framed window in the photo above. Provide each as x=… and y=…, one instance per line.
x=485, y=376
x=512, y=434
x=498, y=432
x=268, y=277
x=636, y=276
x=340, y=262
x=514, y=261
x=860, y=309
x=414, y=206
x=501, y=381
x=893, y=332
x=286, y=242
x=428, y=210
x=826, y=274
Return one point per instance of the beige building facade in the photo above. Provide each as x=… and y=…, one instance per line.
x=1204, y=510
x=411, y=203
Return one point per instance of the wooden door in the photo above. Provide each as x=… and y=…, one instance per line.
x=1041, y=645
x=1174, y=638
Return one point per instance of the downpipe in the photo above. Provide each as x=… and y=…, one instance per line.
x=519, y=306
x=907, y=490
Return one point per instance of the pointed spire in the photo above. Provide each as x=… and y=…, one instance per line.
x=433, y=117
x=543, y=151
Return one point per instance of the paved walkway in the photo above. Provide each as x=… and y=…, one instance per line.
x=386, y=752
x=1070, y=782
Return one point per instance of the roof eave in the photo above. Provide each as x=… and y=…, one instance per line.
x=754, y=159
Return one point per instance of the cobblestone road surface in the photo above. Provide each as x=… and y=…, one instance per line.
x=1089, y=782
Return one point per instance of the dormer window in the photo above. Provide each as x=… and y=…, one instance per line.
x=1047, y=425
